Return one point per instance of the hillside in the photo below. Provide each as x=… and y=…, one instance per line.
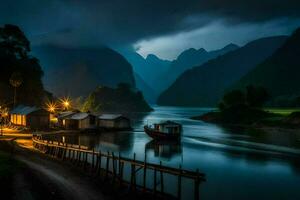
x=78, y=71
x=189, y=59
x=149, y=70
x=148, y=92
x=279, y=74
x=204, y=85
x=121, y=99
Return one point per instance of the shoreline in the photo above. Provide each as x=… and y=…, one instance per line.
x=67, y=180
x=259, y=125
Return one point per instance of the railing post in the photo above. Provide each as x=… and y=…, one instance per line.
x=107, y=165
x=114, y=168
x=93, y=159
x=179, y=183
x=197, y=183
x=133, y=177
x=161, y=179
x=100, y=163
x=145, y=173
x=154, y=181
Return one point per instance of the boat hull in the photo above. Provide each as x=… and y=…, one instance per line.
x=156, y=135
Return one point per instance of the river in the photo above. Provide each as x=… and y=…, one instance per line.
x=239, y=164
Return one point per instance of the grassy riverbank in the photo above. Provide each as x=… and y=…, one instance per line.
x=265, y=118
x=282, y=111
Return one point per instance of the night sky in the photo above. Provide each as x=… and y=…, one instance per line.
x=162, y=27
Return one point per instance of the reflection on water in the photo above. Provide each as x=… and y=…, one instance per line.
x=239, y=163
x=164, y=149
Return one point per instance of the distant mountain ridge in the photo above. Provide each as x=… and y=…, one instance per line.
x=279, y=73
x=148, y=70
x=191, y=58
x=158, y=74
x=204, y=85
x=78, y=71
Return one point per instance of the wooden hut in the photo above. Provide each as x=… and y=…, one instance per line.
x=81, y=121
x=61, y=117
x=113, y=122
x=32, y=117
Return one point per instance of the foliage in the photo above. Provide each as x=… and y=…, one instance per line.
x=232, y=98
x=120, y=99
x=279, y=74
x=18, y=68
x=16, y=79
x=256, y=96
x=252, y=97
x=206, y=84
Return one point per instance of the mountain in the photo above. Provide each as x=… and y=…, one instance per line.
x=148, y=92
x=204, y=85
x=121, y=99
x=190, y=58
x=149, y=68
x=279, y=73
x=78, y=71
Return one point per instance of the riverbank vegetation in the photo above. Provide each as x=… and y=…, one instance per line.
x=245, y=108
x=21, y=73
x=123, y=98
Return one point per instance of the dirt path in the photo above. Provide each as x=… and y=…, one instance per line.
x=73, y=186
x=56, y=180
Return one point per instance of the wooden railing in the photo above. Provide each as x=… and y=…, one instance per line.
x=94, y=162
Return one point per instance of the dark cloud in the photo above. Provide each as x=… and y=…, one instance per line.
x=119, y=22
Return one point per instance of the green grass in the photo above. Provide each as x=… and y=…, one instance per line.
x=282, y=111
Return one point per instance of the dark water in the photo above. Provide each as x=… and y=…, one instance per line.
x=239, y=164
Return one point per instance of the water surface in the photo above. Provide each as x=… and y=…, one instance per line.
x=239, y=164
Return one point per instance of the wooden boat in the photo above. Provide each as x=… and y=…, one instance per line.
x=168, y=130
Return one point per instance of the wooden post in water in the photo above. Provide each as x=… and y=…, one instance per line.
x=197, y=183
x=93, y=159
x=79, y=157
x=119, y=168
x=107, y=165
x=154, y=181
x=133, y=177
x=161, y=179
x=100, y=163
x=145, y=173
x=96, y=164
x=114, y=168
x=85, y=160
x=179, y=183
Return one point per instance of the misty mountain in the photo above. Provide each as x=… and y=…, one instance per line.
x=148, y=92
x=78, y=71
x=149, y=69
x=279, y=73
x=189, y=59
x=204, y=85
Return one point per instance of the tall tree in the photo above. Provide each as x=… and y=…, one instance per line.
x=19, y=69
x=16, y=81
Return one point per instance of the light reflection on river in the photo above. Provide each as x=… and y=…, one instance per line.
x=238, y=164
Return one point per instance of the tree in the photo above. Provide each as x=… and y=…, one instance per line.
x=15, y=60
x=14, y=41
x=16, y=81
x=256, y=96
x=232, y=98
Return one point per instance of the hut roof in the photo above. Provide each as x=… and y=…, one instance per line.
x=66, y=114
x=24, y=110
x=79, y=116
x=110, y=116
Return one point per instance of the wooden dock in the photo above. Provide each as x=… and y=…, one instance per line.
x=109, y=164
